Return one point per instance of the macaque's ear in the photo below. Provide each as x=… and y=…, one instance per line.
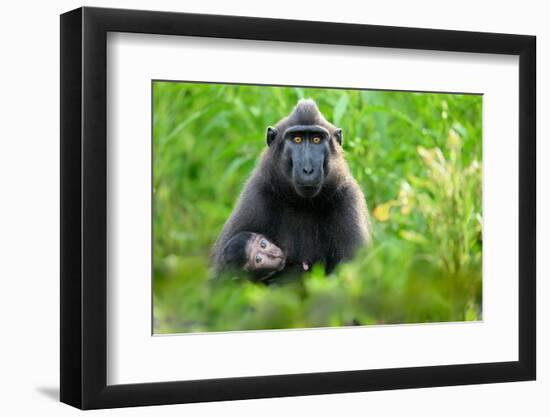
x=338, y=136
x=270, y=135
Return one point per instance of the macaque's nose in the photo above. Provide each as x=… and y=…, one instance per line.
x=308, y=170
x=276, y=253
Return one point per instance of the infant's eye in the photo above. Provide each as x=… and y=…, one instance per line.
x=263, y=244
x=297, y=139
x=316, y=140
x=258, y=259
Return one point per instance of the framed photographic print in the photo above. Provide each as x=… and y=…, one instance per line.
x=256, y=208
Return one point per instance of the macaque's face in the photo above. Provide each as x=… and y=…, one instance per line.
x=263, y=255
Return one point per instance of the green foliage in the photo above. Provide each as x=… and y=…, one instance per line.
x=417, y=157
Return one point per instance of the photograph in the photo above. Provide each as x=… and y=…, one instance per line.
x=292, y=207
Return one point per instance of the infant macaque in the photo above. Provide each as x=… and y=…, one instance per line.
x=253, y=253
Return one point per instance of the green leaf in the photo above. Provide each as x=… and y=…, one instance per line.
x=340, y=108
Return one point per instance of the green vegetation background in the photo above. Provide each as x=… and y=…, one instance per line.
x=417, y=157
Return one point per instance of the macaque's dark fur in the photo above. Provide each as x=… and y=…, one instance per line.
x=327, y=228
x=234, y=251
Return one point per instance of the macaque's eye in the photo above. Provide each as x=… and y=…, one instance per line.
x=297, y=139
x=316, y=140
x=258, y=259
x=263, y=244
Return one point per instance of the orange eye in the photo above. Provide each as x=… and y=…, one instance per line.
x=316, y=140
x=297, y=139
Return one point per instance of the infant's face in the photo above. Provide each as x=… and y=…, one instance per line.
x=264, y=255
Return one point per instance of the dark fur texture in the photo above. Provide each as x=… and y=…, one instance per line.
x=326, y=228
x=234, y=252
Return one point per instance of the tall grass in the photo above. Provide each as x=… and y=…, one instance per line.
x=417, y=157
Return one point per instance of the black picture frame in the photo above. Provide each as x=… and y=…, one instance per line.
x=84, y=207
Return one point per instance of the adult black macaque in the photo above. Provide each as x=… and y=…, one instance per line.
x=301, y=196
